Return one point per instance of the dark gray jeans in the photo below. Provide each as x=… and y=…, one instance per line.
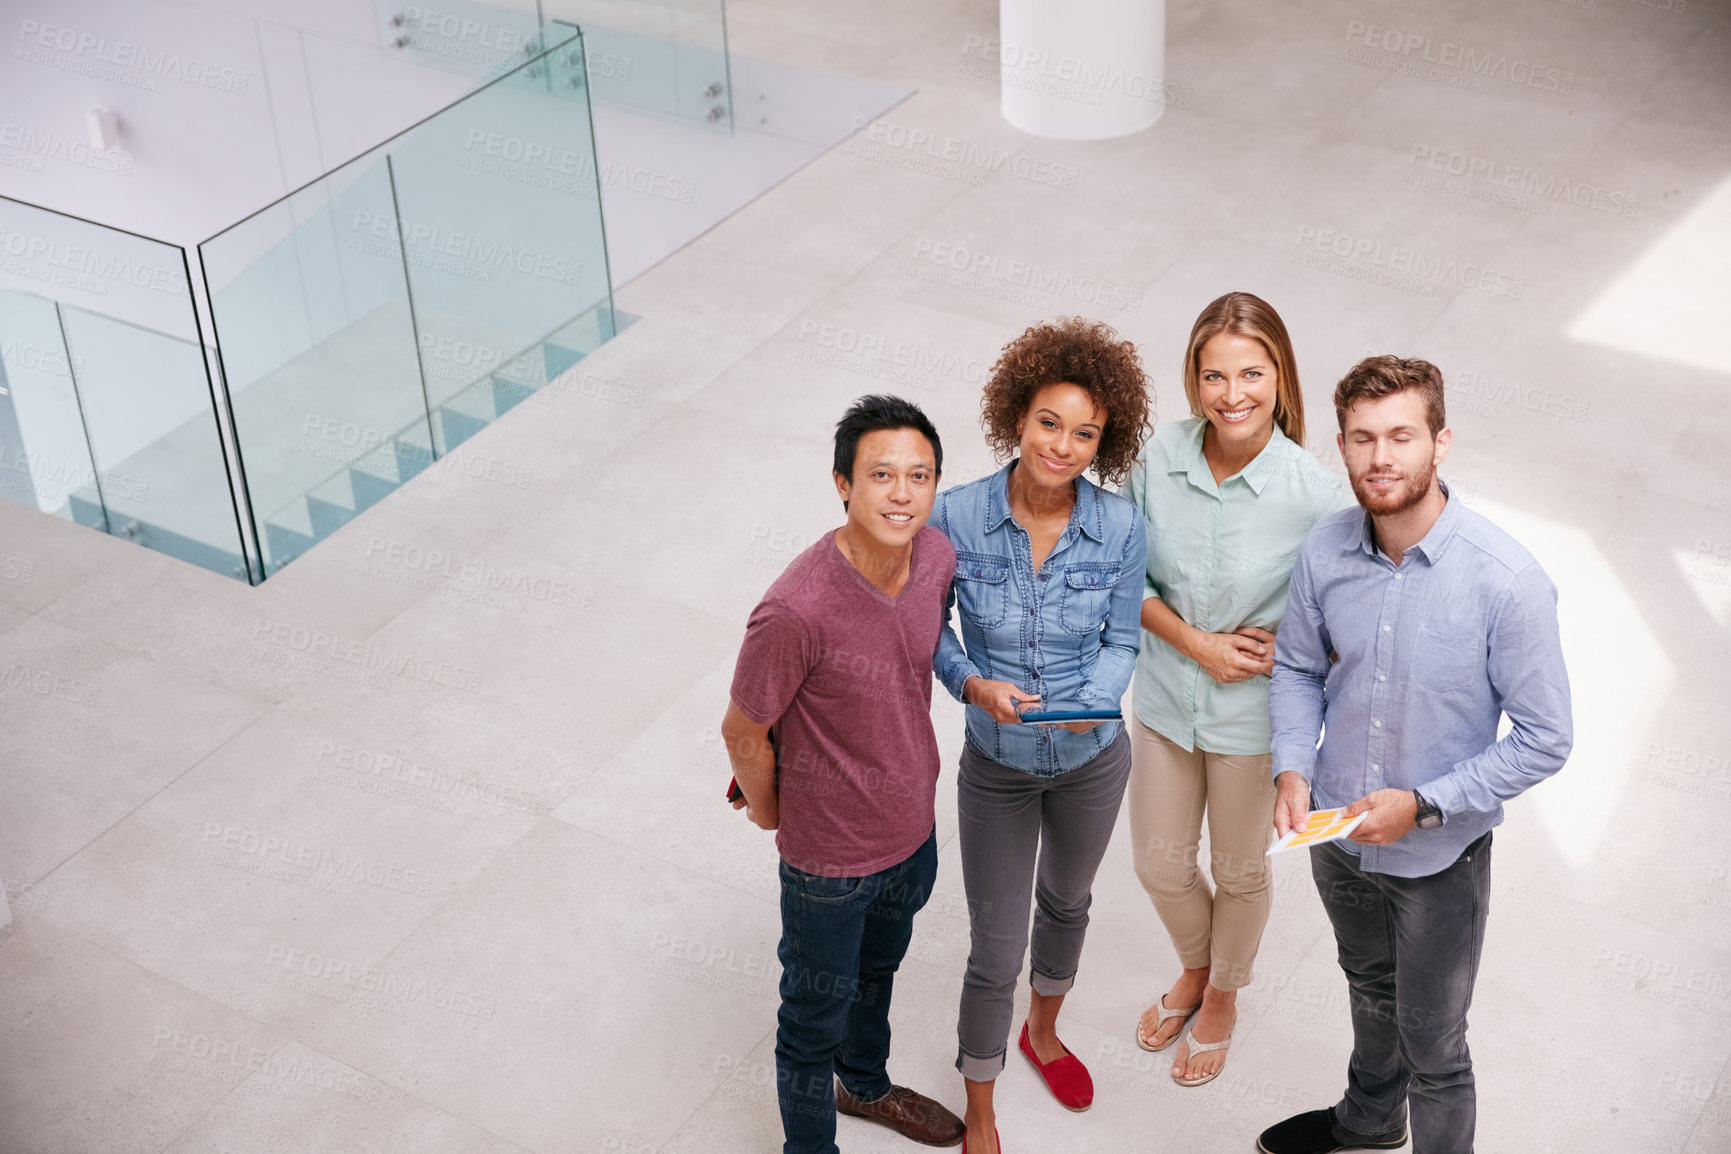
x=1022, y=833
x=1410, y=948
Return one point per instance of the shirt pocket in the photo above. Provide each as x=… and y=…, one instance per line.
x=1257, y=577
x=983, y=588
x=1446, y=660
x=1087, y=593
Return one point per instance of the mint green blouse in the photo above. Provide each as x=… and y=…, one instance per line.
x=1220, y=556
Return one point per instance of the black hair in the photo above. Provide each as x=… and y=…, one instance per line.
x=876, y=412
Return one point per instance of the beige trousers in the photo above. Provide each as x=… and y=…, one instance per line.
x=1170, y=789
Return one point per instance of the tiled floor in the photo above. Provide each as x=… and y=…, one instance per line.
x=419, y=846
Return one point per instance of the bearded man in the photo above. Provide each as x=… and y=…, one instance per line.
x=1413, y=625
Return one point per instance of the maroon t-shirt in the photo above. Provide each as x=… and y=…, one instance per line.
x=843, y=672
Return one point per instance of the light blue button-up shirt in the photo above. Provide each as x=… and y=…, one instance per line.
x=1432, y=654
x=1068, y=633
x=1219, y=556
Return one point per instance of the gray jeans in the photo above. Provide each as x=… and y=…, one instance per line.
x=1410, y=948
x=1021, y=834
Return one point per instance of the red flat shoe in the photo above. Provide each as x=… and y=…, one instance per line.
x=995, y=1139
x=1066, y=1077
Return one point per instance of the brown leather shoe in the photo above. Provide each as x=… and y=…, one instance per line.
x=909, y=1114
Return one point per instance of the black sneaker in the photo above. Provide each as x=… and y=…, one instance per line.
x=1314, y=1132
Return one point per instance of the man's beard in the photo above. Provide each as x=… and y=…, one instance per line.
x=1399, y=501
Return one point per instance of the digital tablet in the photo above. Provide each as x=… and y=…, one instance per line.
x=1075, y=715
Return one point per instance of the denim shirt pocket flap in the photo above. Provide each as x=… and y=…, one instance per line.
x=982, y=588
x=1087, y=591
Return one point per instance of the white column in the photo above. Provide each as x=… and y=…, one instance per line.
x=1082, y=69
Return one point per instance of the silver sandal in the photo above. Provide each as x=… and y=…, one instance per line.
x=1164, y=1014
x=1202, y=1048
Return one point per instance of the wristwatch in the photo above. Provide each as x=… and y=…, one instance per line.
x=1429, y=816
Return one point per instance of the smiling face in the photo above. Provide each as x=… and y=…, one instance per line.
x=1390, y=455
x=895, y=481
x=1237, y=382
x=1060, y=433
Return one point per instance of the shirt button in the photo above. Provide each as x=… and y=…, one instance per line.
x=1382, y=677
x=1031, y=645
x=1398, y=576
x=1378, y=724
x=1385, y=629
x=1043, y=576
x=1375, y=767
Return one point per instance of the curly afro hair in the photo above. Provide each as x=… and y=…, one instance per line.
x=1077, y=351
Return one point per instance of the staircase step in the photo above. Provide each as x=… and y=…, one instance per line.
x=457, y=427
x=412, y=453
x=284, y=544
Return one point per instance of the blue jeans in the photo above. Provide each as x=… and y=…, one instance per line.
x=842, y=940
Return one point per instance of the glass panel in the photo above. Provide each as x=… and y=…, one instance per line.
x=668, y=56
x=108, y=398
x=502, y=228
x=383, y=314
x=44, y=457
x=161, y=476
x=461, y=34
x=312, y=318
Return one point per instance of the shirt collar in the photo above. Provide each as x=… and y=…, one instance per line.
x=1190, y=461
x=1433, y=543
x=1089, y=514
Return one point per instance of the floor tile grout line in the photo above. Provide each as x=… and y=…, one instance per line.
x=200, y=760
x=714, y=1091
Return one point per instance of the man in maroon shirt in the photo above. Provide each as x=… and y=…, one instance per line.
x=837, y=658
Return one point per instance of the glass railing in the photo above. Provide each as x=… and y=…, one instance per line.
x=373, y=320
x=663, y=56
x=107, y=414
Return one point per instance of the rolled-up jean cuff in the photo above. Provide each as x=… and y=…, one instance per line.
x=980, y=1069
x=1051, y=987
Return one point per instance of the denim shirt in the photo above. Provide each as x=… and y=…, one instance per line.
x=1433, y=654
x=1069, y=632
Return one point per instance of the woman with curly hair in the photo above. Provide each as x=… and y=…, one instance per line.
x=1049, y=588
x=1228, y=497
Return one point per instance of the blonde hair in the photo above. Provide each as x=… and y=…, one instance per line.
x=1247, y=315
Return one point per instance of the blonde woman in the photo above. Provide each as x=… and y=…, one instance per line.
x=1228, y=497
